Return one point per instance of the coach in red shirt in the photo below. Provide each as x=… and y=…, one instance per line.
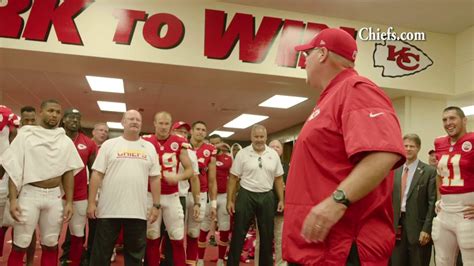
x=338, y=195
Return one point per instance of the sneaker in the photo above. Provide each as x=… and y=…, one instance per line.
x=220, y=262
x=244, y=259
x=114, y=254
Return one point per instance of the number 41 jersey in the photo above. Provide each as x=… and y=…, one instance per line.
x=456, y=164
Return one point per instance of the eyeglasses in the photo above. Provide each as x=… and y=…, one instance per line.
x=306, y=53
x=260, y=162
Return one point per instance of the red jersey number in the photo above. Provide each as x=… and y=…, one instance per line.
x=170, y=164
x=449, y=170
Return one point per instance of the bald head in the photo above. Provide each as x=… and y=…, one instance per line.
x=132, y=122
x=131, y=113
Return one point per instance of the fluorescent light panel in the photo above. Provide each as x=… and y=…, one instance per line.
x=468, y=110
x=245, y=120
x=112, y=106
x=282, y=101
x=104, y=84
x=115, y=125
x=222, y=133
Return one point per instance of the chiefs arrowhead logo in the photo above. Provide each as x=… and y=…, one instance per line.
x=399, y=59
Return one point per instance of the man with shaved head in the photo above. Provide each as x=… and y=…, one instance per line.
x=258, y=168
x=124, y=166
x=172, y=151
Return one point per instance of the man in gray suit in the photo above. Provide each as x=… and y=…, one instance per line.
x=414, y=197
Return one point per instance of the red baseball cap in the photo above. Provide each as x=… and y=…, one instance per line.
x=179, y=124
x=335, y=40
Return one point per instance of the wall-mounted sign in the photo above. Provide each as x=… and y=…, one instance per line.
x=399, y=59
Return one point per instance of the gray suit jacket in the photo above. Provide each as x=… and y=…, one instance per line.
x=420, y=201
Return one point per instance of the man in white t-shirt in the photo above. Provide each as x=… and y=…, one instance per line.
x=124, y=166
x=258, y=168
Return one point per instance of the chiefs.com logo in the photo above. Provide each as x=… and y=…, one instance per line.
x=399, y=59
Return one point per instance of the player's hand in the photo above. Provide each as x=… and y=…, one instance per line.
x=213, y=213
x=437, y=206
x=469, y=212
x=153, y=214
x=424, y=238
x=281, y=206
x=320, y=220
x=91, y=210
x=67, y=212
x=196, y=212
x=171, y=178
x=15, y=210
x=230, y=207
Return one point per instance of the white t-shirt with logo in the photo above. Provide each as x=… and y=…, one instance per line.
x=127, y=166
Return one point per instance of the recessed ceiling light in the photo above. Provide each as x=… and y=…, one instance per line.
x=245, y=120
x=468, y=110
x=115, y=125
x=104, y=84
x=112, y=106
x=282, y=101
x=222, y=133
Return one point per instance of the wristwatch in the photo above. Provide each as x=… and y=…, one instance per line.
x=157, y=205
x=340, y=197
x=197, y=204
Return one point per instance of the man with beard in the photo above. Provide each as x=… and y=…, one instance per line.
x=87, y=149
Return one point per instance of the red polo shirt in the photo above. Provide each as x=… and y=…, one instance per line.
x=352, y=117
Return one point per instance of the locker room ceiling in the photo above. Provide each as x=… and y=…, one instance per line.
x=188, y=93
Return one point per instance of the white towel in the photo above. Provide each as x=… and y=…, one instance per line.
x=38, y=154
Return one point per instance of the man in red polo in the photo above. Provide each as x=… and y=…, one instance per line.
x=338, y=194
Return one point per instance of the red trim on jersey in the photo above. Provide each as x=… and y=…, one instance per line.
x=86, y=148
x=168, y=151
x=456, y=162
x=204, y=154
x=223, y=165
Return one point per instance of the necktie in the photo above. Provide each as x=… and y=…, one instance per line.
x=404, y=183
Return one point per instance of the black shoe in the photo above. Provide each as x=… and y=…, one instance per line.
x=212, y=241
